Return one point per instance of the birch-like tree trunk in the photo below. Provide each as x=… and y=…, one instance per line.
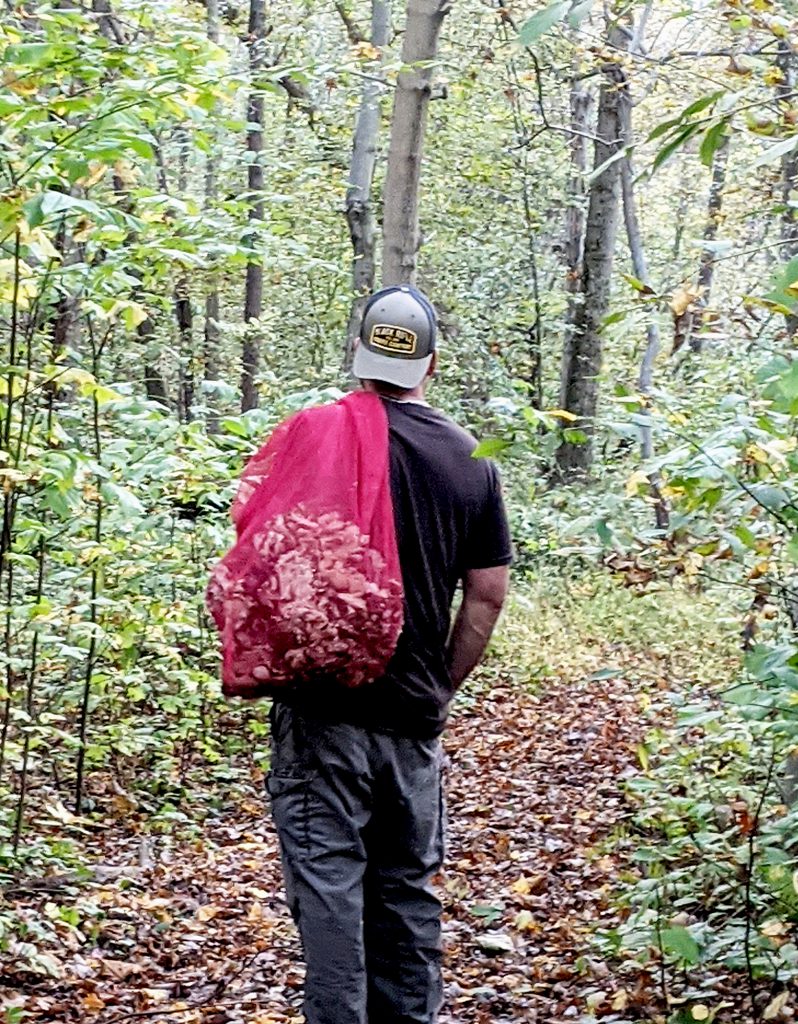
x=580, y=388
x=637, y=254
x=787, y=63
x=359, y=208
x=253, y=299
x=408, y=127
x=211, y=337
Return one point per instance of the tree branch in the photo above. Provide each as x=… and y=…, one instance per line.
x=352, y=28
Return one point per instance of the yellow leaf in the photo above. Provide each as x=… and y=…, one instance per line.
x=633, y=483
x=92, y=1002
x=757, y=454
x=37, y=238
x=367, y=51
x=96, y=173
x=208, y=912
x=523, y=888
x=26, y=86
x=621, y=999
x=134, y=314
x=773, y=76
x=775, y=1006
x=760, y=123
x=83, y=230
x=101, y=393
x=130, y=313
x=525, y=922
x=74, y=375
x=23, y=288
x=773, y=929
x=681, y=300
x=150, y=996
x=126, y=172
x=700, y=1012
x=563, y=414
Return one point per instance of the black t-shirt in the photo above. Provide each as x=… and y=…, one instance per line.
x=449, y=518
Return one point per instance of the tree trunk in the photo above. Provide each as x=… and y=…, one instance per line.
x=581, y=386
x=107, y=22
x=154, y=383
x=253, y=300
x=184, y=315
x=211, y=332
x=352, y=29
x=359, y=209
x=581, y=100
x=680, y=222
x=788, y=65
x=640, y=270
x=706, y=270
x=212, y=20
x=408, y=126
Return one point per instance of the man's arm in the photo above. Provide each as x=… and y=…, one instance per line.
x=484, y=592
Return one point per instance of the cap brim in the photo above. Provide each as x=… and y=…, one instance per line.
x=403, y=373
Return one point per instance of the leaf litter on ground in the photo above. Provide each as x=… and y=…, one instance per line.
x=197, y=932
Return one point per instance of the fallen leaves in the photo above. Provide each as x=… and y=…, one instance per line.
x=201, y=935
x=534, y=790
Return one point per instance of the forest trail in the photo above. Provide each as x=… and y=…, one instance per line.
x=202, y=936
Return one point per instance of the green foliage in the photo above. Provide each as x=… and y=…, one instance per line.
x=571, y=11
x=714, y=849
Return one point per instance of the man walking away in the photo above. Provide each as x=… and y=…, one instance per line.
x=355, y=783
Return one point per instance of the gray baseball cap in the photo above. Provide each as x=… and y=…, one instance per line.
x=397, y=338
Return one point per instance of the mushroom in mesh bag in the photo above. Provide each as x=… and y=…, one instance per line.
x=312, y=587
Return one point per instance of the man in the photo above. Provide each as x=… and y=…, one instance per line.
x=356, y=774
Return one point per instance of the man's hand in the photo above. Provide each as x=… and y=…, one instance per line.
x=484, y=592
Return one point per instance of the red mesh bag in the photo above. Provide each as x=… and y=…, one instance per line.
x=312, y=587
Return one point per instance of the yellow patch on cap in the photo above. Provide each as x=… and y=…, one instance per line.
x=396, y=340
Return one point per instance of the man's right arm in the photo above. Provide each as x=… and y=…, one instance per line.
x=484, y=593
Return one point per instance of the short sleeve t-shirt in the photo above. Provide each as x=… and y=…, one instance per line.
x=450, y=518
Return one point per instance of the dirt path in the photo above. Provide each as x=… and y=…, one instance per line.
x=202, y=937
x=534, y=790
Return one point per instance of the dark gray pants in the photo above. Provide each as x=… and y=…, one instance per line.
x=359, y=816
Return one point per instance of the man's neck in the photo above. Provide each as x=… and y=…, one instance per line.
x=413, y=395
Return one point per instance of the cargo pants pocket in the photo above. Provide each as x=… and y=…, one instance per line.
x=289, y=782
x=290, y=801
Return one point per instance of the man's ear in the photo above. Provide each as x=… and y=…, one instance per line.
x=433, y=366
